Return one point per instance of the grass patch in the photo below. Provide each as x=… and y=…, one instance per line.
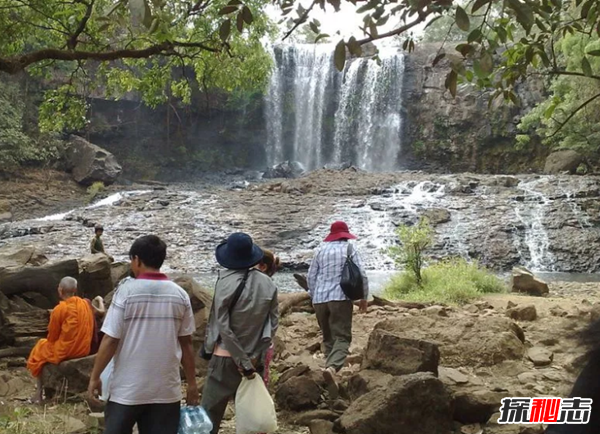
x=452, y=281
x=94, y=190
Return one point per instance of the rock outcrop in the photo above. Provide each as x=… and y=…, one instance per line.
x=72, y=376
x=416, y=403
x=523, y=280
x=463, y=341
x=563, y=161
x=287, y=169
x=95, y=276
x=397, y=355
x=90, y=163
x=298, y=393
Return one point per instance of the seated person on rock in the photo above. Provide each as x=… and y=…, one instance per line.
x=96, y=245
x=70, y=333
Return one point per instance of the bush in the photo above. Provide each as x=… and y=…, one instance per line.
x=414, y=241
x=453, y=281
x=94, y=190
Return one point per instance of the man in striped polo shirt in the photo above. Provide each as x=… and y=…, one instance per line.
x=148, y=330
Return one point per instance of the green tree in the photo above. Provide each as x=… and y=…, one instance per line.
x=414, y=241
x=119, y=46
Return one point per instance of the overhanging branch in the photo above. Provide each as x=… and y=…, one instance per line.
x=72, y=42
x=577, y=110
x=421, y=18
x=13, y=65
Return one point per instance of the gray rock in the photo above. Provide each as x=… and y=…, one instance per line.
x=397, y=355
x=95, y=275
x=90, y=163
x=320, y=427
x=366, y=381
x=437, y=216
x=452, y=376
x=287, y=169
x=522, y=313
x=523, y=280
x=540, y=356
x=298, y=393
x=304, y=419
x=563, y=161
x=72, y=376
x=477, y=406
x=415, y=403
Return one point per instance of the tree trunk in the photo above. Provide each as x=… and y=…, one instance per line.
x=288, y=301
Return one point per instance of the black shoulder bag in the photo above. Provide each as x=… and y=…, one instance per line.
x=236, y=296
x=352, y=281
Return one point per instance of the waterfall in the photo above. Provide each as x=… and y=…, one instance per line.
x=317, y=115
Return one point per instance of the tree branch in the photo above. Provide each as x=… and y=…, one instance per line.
x=577, y=110
x=574, y=73
x=72, y=42
x=12, y=65
x=422, y=17
x=301, y=20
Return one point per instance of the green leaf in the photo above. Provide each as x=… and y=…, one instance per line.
x=225, y=30
x=550, y=111
x=593, y=53
x=228, y=10
x=321, y=36
x=373, y=30
x=462, y=19
x=247, y=14
x=513, y=97
x=478, y=5
x=383, y=20
x=354, y=47
x=475, y=35
x=438, y=58
x=465, y=49
x=234, y=3
x=451, y=82
x=339, y=55
x=365, y=8
x=314, y=28
x=523, y=13
x=486, y=62
x=585, y=9
x=239, y=22
x=586, y=67
x=336, y=4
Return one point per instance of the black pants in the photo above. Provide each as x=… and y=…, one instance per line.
x=150, y=418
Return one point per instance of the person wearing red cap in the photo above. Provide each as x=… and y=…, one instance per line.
x=333, y=308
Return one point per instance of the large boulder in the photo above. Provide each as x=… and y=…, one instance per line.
x=463, y=341
x=415, y=403
x=298, y=393
x=71, y=376
x=476, y=406
x=563, y=161
x=287, y=169
x=201, y=301
x=523, y=280
x=20, y=256
x=95, y=275
x=119, y=271
x=397, y=355
x=366, y=381
x=43, y=280
x=90, y=163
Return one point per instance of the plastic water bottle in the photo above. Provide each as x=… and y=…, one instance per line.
x=194, y=420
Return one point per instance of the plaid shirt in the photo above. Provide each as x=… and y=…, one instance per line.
x=325, y=272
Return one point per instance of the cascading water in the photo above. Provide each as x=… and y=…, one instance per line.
x=531, y=212
x=317, y=115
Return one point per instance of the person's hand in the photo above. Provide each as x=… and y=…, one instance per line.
x=192, y=397
x=248, y=373
x=362, y=306
x=95, y=390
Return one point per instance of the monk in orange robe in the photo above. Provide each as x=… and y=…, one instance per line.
x=70, y=333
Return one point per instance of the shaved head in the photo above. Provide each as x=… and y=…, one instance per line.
x=68, y=285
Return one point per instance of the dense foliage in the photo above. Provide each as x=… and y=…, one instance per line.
x=111, y=47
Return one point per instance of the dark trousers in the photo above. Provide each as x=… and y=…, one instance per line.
x=222, y=381
x=335, y=321
x=150, y=418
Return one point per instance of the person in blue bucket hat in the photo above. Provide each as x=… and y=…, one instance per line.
x=242, y=323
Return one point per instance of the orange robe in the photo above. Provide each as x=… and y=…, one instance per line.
x=69, y=335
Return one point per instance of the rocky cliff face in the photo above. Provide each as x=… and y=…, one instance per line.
x=462, y=133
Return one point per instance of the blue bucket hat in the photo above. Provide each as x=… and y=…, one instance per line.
x=238, y=252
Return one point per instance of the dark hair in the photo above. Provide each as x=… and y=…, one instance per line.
x=151, y=250
x=271, y=261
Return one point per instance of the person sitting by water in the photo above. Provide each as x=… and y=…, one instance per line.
x=70, y=333
x=240, y=328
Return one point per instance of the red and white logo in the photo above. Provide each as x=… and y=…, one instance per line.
x=545, y=410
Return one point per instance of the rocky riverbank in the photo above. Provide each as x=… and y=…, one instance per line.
x=548, y=223
x=466, y=359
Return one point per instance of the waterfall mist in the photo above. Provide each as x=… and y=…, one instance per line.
x=317, y=115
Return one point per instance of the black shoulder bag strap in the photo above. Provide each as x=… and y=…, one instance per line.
x=238, y=291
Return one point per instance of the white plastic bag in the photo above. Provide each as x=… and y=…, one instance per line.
x=105, y=377
x=254, y=408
